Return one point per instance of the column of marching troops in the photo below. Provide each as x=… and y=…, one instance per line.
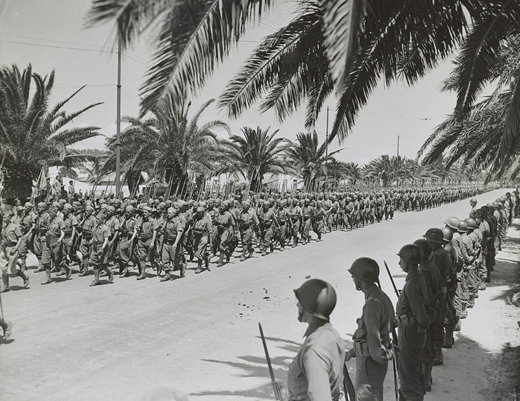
x=445, y=269
x=108, y=234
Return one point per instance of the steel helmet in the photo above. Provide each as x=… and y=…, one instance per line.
x=447, y=234
x=473, y=201
x=317, y=297
x=463, y=227
x=434, y=235
x=365, y=269
x=452, y=222
x=411, y=253
x=471, y=223
x=425, y=246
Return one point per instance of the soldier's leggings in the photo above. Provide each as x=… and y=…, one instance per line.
x=247, y=242
x=411, y=343
x=306, y=230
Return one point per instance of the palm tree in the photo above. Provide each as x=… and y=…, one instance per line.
x=353, y=172
x=345, y=47
x=253, y=155
x=169, y=146
x=483, y=135
x=32, y=135
x=309, y=159
x=386, y=170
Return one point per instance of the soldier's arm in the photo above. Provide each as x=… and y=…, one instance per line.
x=415, y=295
x=317, y=373
x=372, y=318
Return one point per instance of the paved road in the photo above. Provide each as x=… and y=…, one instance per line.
x=199, y=334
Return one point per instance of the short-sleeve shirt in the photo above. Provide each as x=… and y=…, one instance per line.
x=317, y=369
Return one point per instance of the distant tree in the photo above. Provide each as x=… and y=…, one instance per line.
x=254, y=154
x=32, y=135
x=309, y=158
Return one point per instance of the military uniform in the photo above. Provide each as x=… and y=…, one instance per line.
x=412, y=322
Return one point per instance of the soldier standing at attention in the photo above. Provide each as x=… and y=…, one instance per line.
x=440, y=258
x=372, y=347
x=412, y=322
x=316, y=373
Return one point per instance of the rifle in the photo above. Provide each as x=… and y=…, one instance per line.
x=277, y=387
x=395, y=360
x=348, y=386
x=392, y=280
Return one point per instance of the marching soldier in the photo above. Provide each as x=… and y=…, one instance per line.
x=53, y=248
x=70, y=223
x=100, y=248
x=147, y=233
x=128, y=234
x=10, y=242
x=225, y=226
x=201, y=229
x=86, y=229
x=372, y=345
x=172, y=230
x=248, y=221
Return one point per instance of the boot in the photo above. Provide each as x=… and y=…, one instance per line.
x=40, y=267
x=448, y=339
x=206, y=264
x=220, y=260
x=7, y=328
x=124, y=273
x=142, y=271
x=439, y=358
x=48, y=278
x=166, y=277
x=5, y=279
x=96, y=278
x=24, y=277
x=68, y=271
x=84, y=268
x=109, y=274
x=199, y=267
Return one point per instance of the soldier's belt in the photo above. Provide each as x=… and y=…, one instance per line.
x=405, y=321
x=362, y=348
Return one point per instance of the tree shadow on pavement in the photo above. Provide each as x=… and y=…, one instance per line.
x=254, y=366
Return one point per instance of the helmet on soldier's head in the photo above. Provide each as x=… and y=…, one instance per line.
x=425, y=246
x=463, y=227
x=471, y=223
x=452, y=222
x=317, y=297
x=365, y=269
x=473, y=201
x=434, y=235
x=411, y=253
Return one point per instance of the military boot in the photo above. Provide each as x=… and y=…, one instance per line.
x=83, y=268
x=167, y=276
x=5, y=279
x=142, y=271
x=96, y=278
x=206, y=263
x=199, y=267
x=48, y=278
x=123, y=273
x=439, y=358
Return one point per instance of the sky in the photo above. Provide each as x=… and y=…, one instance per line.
x=51, y=35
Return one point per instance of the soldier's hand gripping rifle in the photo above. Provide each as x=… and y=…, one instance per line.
x=277, y=387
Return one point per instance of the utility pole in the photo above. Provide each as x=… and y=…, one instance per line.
x=118, y=122
x=397, y=145
x=326, y=149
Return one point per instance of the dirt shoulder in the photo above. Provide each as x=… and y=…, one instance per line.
x=485, y=361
